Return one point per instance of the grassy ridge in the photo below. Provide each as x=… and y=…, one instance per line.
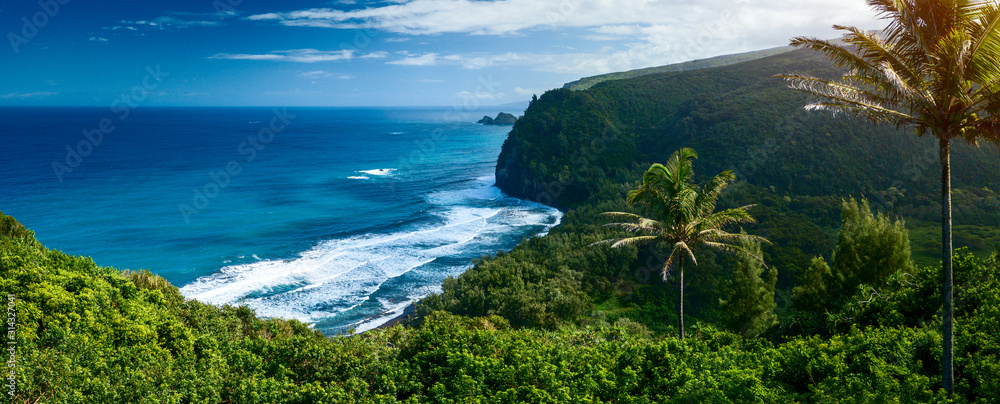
x=726, y=60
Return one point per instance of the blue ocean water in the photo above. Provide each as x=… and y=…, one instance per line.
x=339, y=217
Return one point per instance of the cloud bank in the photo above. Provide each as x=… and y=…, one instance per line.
x=645, y=32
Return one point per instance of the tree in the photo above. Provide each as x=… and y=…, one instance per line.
x=813, y=293
x=683, y=217
x=935, y=68
x=869, y=248
x=749, y=294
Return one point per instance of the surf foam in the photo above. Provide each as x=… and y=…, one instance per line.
x=343, y=281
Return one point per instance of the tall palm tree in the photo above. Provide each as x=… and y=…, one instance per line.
x=935, y=68
x=683, y=217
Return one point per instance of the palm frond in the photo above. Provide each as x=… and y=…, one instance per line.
x=715, y=235
x=986, y=129
x=651, y=198
x=665, y=270
x=706, y=199
x=886, y=61
x=737, y=249
x=684, y=248
x=724, y=218
x=624, y=242
x=649, y=226
x=987, y=31
x=847, y=99
x=634, y=241
x=839, y=55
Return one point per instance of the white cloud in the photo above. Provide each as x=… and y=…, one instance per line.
x=617, y=30
x=528, y=91
x=318, y=74
x=651, y=32
x=467, y=61
x=175, y=20
x=427, y=59
x=98, y=39
x=480, y=95
x=167, y=21
x=511, y=16
x=481, y=62
x=294, y=55
x=376, y=55
x=345, y=77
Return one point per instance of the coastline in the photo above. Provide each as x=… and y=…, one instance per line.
x=410, y=309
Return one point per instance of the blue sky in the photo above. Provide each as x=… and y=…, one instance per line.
x=370, y=53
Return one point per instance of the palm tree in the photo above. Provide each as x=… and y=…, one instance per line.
x=935, y=68
x=684, y=217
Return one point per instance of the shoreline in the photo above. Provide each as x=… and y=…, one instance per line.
x=410, y=309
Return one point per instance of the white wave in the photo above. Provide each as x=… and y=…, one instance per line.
x=357, y=177
x=379, y=171
x=339, y=275
x=370, y=324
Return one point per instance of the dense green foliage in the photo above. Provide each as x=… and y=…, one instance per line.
x=748, y=296
x=87, y=333
x=869, y=248
x=932, y=69
x=556, y=320
x=681, y=218
x=578, y=147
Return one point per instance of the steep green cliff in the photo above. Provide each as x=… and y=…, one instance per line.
x=570, y=144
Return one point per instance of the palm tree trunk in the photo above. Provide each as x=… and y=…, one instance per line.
x=948, y=354
x=682, y=298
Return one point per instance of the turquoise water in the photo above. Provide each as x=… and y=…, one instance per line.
x=337, y=217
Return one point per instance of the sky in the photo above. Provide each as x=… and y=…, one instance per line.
x=370, y=53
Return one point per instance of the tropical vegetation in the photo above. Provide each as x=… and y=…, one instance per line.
x=935, y=68
x=848, y=307
x=686, y=219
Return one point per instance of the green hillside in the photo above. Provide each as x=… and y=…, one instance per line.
x=849, y=315
x=575, y=147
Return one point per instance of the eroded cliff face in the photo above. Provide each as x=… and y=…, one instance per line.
x=514, y=179
x=571, y=146
x=563, y=140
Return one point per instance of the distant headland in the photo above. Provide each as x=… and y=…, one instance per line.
x=502, y=118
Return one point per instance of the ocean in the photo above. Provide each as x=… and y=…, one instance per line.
x=337, y=217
